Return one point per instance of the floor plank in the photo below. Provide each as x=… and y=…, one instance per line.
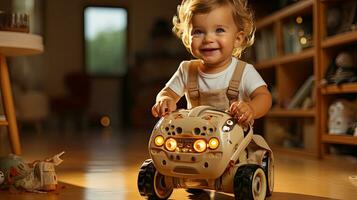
x=103, y=164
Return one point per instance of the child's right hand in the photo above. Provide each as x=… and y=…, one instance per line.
x=243, y=112
x=163, y=107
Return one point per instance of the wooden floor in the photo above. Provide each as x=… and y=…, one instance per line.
x=104, y=164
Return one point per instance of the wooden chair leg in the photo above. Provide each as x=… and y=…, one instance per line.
x=9, y=107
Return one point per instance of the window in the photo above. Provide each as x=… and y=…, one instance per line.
x=105, y=40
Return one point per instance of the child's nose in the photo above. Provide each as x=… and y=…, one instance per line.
x=209, y=37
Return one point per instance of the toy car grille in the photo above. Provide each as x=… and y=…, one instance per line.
x=185, y=145
x=177, y=130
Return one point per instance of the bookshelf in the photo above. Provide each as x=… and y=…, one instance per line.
x=340, y=39
x=342, y=89
x=290, y=70
x=286, y=71
x=286, y=59
x=337, y=139
x=332, y=45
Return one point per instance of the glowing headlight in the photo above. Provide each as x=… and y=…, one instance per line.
x=159, y=140
x=200, y=145
x=213, y=143
x=171, y=144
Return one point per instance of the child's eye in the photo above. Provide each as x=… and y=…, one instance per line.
x=220, y=30
x=197, y=32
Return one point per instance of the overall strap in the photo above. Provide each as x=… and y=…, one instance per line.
x=192, y=82
x=233, y=87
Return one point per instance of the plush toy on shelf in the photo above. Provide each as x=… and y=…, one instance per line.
x=2, y=177
x=342, y=117
x=343, y=69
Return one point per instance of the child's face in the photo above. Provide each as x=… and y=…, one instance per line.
x=214, y=35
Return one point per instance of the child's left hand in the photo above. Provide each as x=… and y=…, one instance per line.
x=243, y=112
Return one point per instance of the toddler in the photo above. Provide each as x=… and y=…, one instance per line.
x=216, y=32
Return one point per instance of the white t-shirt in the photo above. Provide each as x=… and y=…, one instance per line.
x=250, y=81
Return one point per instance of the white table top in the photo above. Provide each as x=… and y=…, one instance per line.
x=20, y=44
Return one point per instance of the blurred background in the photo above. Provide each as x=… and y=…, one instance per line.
x=103, y=60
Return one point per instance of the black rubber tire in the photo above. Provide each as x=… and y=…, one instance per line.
x=195, y=191
x=269, y=173
x=150, y=182
x=250, y=183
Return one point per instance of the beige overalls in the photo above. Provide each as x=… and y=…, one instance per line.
x=219, y=98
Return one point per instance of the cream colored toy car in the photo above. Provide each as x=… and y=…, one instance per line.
x=204, y=148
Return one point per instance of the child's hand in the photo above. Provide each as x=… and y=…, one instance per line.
x=243, y=112
x=163, y=107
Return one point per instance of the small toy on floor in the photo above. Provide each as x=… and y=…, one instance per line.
x=38, y=176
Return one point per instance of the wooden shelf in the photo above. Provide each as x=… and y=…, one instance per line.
x=339, y=139
x=328, y=48
x=286, y=72
x=291, y=113
x=286, y=80
x=304, y=55
x=3, y=123
x=294, y=9
x=340, y=39
x=341, y=89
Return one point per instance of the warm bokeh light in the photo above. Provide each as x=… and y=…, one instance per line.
x=299, y=20
x=105, y=121
x=303, y=40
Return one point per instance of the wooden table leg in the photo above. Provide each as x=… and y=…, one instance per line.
x=9, y=109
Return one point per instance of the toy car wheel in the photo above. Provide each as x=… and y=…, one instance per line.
x=269, y=172
x=250, y=183
x=195, y=191
x=151, y=183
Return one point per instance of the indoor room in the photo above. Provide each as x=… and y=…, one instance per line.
x=92, y=99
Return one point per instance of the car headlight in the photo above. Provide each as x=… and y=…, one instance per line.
x=213, y=143
x=200, y=145
x=171, y=144
x=159, y=140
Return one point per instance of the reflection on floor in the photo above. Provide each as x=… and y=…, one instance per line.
x=104, y=164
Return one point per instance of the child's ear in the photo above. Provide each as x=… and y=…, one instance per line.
x=239, y=39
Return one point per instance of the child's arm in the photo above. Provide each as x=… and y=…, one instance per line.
x=258, y=106
x=165, y=102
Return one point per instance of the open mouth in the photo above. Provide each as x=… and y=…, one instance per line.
x=208, y=51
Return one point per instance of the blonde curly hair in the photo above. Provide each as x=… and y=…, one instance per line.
x=242, y=15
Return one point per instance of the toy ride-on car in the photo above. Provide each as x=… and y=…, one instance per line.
x=204, y=148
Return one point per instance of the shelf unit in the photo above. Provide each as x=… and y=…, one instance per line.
x=288, y=71
x=286, y=59
x=341, y=89
x=330, y=47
